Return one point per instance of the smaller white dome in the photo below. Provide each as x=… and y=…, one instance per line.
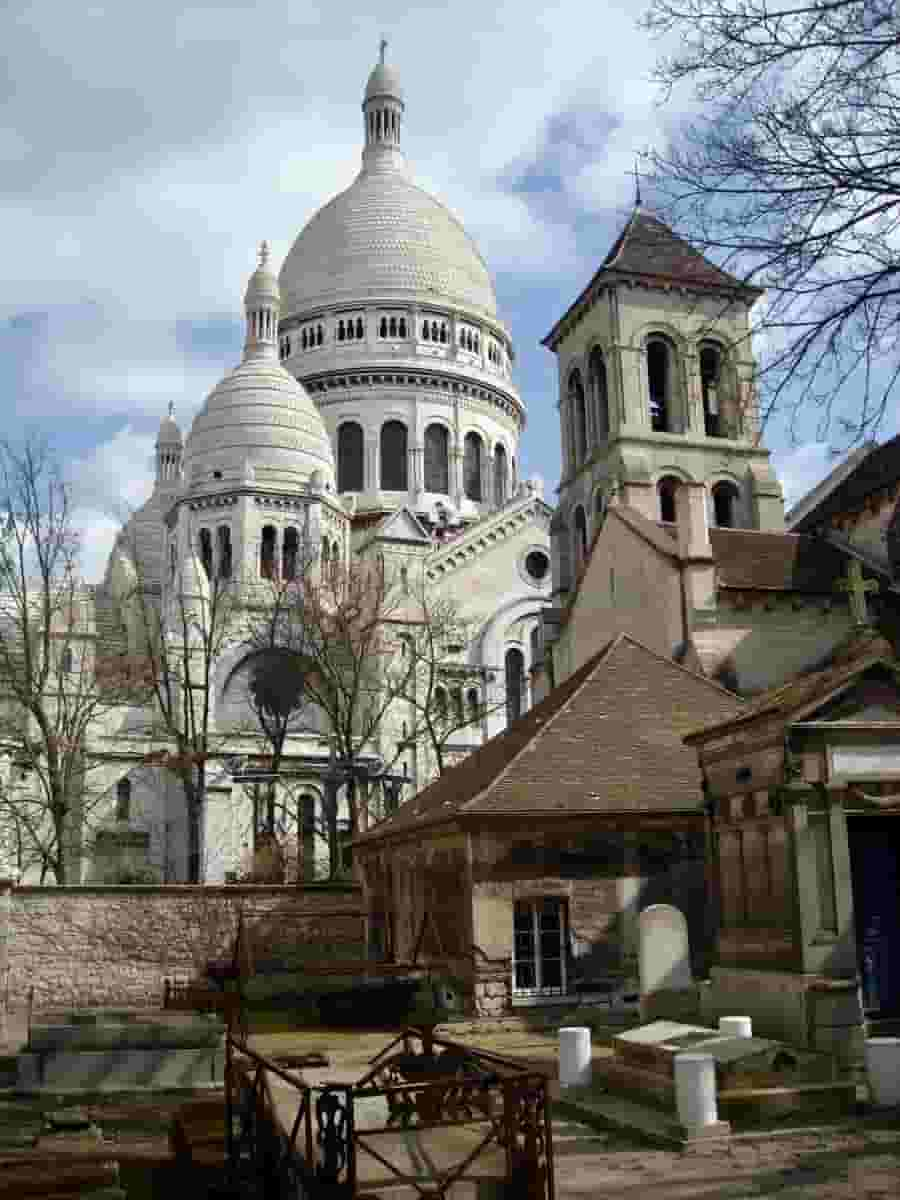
x=169, y=429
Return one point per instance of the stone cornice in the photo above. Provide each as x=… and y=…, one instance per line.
x=484, y=534
x=320, y=385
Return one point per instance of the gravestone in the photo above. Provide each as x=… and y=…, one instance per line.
x=664, y=961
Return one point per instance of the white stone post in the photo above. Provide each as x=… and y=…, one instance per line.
x=695, y=1090
x=736, y=1026
x=574, y=1056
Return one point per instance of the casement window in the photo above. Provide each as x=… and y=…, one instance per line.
x=539, y=947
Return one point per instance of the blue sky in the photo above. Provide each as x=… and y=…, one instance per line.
x=147, y=149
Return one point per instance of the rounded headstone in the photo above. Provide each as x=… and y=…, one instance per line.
x=574, y=1056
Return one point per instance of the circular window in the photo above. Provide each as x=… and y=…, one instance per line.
x=537, y=564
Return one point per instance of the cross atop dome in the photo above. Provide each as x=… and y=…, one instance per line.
x=382, y=46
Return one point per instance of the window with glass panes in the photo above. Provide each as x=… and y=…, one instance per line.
x=539, y=942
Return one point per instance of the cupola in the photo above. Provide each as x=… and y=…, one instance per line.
x=383, y=112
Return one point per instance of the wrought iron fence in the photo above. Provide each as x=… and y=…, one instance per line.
x=318, y=1157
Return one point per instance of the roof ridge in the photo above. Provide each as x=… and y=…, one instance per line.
x=680, y=667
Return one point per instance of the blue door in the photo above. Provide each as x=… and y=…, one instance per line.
x=875, y=864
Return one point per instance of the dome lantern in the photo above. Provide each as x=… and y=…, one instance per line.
x=262, y=303
x=383, y=112
x=169, y=447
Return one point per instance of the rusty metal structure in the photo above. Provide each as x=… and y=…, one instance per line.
x=430, y=1083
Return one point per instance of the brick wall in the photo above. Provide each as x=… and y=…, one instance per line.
x=116, y=945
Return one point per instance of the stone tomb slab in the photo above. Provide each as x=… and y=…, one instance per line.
x=654, y=1047
x=115, y=1051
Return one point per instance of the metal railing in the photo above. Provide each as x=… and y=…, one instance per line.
x=318, y=1156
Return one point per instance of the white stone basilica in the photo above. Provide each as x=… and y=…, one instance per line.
x=373, y=413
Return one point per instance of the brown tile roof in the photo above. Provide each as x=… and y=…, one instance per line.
x=790, y=700
x=648, y=249
x=879, y=469
x=607, y=740
x=787, y=562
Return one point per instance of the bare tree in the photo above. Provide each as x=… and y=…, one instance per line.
x=181, y=640
x=59, y=678
x=788, y=172
x=442, y=695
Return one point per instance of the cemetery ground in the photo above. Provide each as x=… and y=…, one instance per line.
x=858, y=1159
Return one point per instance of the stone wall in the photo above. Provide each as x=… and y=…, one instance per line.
x=116, y=945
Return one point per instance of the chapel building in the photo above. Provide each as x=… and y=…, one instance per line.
x=373, y=418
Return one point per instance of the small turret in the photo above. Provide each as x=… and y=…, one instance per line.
x=262, y=304
x=383, y=109
x=169, y=450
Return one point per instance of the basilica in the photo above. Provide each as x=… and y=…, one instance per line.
x=373, y=417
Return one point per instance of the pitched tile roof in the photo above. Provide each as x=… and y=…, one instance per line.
x=799, y=694
x=648, y=249
x=607, y=740
x=788, y=562
x=878, y=469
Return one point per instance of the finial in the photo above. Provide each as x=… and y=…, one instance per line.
x=382, y=46
x=263, y=253
x=637, y=186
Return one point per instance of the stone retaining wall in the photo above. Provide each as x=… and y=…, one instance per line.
x=85, y=946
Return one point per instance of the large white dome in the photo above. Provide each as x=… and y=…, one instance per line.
x=384, y=237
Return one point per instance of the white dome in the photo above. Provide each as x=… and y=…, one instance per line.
x=259, y=416
x=384, y=237
x=384, y=81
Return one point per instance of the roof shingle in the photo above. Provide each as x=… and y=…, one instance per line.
x=607, y=740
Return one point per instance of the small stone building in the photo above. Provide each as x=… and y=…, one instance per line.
x=522, y=870
x=803, y=793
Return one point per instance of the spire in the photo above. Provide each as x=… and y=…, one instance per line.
x=383, y=111
x=262, y=304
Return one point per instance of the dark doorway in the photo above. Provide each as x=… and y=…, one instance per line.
x=875, y=866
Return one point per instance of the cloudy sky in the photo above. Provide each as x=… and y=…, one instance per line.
x=146, y=149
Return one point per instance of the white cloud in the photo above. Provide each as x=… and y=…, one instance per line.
x=801, y=468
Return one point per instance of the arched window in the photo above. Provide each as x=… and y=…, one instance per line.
x=340, y=331
x=437, y=460
x=383, y=327
x=667, y=490
x=501, y=479
x=206, y=552
x=473, y=704
x=267, y=552
x=335, y=552
x=443, y=333
x=393, y=457
x=350, y=457
x=710, y=375
x=515, y=685
x=360, y=329
x=659, y=384
x=599, y=395
x=326, y=551
x=303, y=339
x=599, y=507
x=440, y=706
x=578, y=412
x=725, y=497
x=123, y=800
x=290, y=552
x=320, y=333
x=435, y=335
x=581, y=535
x=459, y=710
x=425, y=333
x=67, y=661
x=403, y=327
x=472, y=452
x=393, y=326
x=223, y=536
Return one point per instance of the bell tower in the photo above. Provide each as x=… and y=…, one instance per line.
x=657, y=399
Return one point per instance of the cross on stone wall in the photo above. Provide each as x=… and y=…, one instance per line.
x=857, y=587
